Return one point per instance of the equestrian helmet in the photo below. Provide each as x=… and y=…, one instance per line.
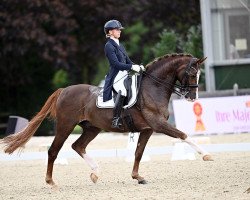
x=112, y=24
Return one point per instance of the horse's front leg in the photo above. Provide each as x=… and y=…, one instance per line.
x=205, y=155
x=171, y=131
x=162, y=126
x=142, y=142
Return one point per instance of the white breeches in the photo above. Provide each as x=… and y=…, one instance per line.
x=119, y=82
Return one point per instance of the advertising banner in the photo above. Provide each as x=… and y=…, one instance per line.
x=213, y=115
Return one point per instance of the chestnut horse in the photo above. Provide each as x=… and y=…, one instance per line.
x=76, y=104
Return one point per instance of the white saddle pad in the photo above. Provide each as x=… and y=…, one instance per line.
x=111, y=103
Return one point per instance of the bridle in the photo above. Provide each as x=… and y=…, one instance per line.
x=190, y=71
x=183, y=89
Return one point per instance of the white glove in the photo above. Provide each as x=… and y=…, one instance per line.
x=142, y=68
x=136, y=68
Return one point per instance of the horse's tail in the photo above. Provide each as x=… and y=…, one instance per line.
x=17, y=140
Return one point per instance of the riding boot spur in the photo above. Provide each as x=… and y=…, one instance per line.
x=117, y=121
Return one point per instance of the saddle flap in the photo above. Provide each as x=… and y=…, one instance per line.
x=128, y=86
x=133, y=91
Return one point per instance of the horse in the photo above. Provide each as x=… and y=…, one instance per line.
x=76, y=105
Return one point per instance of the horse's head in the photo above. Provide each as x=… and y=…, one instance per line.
x=188, y=75
x=164, y=71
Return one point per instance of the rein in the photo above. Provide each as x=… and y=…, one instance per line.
x=182, y=89
x=168, y=86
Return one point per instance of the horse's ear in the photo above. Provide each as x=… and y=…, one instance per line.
x=201, y=60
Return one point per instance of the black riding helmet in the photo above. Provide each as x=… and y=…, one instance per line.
x=112, y=24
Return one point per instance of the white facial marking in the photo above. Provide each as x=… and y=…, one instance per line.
x=197, y=82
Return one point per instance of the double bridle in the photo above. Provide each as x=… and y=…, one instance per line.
x=183, y=89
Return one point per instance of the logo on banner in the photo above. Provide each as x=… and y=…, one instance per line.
x=248, y=104
x=197, y=108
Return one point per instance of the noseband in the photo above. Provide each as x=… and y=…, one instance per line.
x=183, y=89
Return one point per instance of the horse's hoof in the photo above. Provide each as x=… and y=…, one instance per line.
x=247, y=191
x=142, y=182
x=93, y=177
x=55, y=188
x=52, y=184
x=208, y=158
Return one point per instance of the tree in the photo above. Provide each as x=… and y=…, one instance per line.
x=167, y=43
x=40, y=39
x=193, y=45
x=36, y=38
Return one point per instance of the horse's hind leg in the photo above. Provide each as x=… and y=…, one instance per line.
x=142, y=141
x=63, y=130
x=89, y=133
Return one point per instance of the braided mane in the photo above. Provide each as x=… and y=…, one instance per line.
x=166, y=57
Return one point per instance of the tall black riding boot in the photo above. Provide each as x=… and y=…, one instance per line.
x=117, y=122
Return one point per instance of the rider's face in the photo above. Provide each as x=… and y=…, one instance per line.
x=116, y=33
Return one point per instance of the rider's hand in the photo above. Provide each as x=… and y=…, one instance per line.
x=136, y=68
x=142, y=68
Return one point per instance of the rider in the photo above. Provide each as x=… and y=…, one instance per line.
x=120, y=65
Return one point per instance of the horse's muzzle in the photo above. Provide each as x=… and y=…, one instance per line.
x=191, y=96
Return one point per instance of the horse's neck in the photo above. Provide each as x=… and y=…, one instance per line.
x=158, y=88
x=167, y=75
